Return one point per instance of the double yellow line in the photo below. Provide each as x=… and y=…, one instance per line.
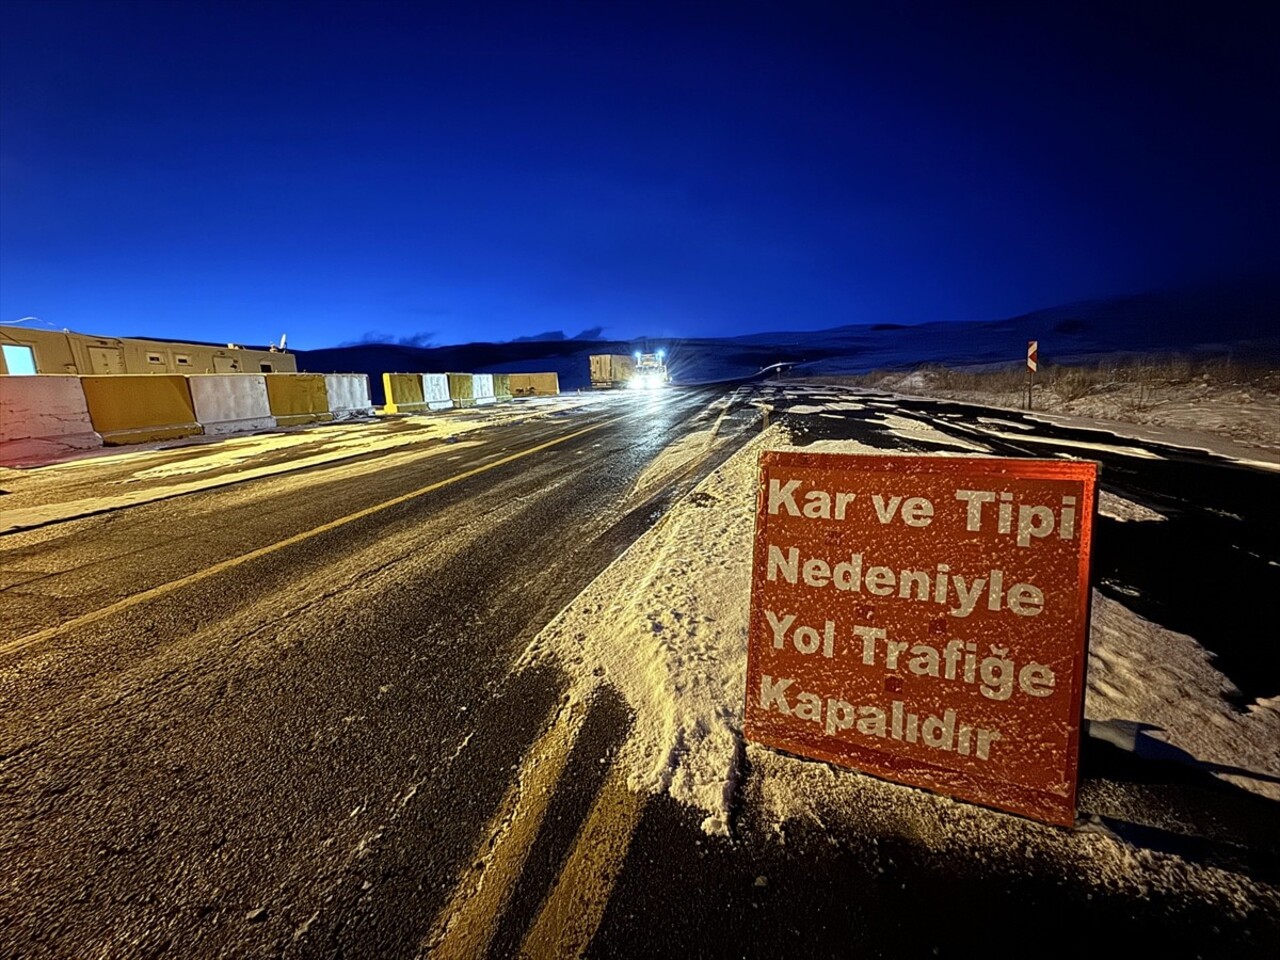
x=571, y=913
x=133, y=600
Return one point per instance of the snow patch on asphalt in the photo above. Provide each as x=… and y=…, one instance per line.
x=240, y=451
x=1141, y=453
x=911, y=429
x=234, y=460
x=1007, y=424
x=1118, y=508
x=29, y=517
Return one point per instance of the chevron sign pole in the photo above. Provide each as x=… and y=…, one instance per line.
x=1033, y=362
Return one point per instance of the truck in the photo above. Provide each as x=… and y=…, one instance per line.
x=611, y=370
x=640, y=371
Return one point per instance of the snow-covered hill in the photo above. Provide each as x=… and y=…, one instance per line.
x=1242, y=319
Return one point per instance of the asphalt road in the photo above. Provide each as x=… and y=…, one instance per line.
x=235, y=723
x=860, y=886
x=280, y=718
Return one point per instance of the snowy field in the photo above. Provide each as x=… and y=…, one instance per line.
x=1247, y=413
x=667, y=626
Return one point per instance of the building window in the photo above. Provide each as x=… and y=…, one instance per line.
x=154, y=358
x=266, y=368
x=182, y=360
x=19, y=360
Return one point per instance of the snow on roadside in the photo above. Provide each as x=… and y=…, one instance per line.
x=666, y=625
x=1231, y=412
x=1118, y=508
x=1142, y=675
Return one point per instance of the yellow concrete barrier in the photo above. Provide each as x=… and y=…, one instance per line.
x=298, y=398
x=502, y=386
x=138, y=408
x=403, y=392
x=462, y=389
x=535, y=384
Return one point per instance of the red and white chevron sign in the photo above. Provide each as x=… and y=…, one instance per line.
x=1033, y=349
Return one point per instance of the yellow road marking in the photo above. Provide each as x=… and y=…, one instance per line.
x=133, y=600
x=573, y=910
x=465, y=928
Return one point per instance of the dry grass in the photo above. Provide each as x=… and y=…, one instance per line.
x=1072, y=381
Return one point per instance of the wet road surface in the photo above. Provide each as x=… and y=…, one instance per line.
x=296, y=753
x=280, y=719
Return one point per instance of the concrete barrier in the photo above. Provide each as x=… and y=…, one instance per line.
x=462, y=389
x=298, y=398
x=502, y=386
x=416, y=392
x=43, y=417
x=230, y=402
x=348, y=395
x=138, y=408
x=535, y=385
x=482, y=387
x=435, y=388
x=403, y=392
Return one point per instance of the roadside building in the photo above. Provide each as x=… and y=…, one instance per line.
x=32, y=351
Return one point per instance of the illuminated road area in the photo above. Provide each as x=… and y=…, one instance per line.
x=284, y=717
x=277, y=715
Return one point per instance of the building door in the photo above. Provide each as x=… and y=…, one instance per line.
x=106, y=360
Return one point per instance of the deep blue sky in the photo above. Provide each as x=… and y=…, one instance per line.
x=471, y=170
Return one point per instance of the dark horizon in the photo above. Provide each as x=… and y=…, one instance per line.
x=442, y=174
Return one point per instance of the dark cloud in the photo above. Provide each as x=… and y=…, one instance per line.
x=424, y=339
x=591, y=333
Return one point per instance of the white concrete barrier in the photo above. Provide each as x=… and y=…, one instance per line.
x=231, y=402
x=435, y=391
x=348, y=395
x=482, y=384
x=43, y=417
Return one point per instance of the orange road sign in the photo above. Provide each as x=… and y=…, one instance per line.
x=925, y=620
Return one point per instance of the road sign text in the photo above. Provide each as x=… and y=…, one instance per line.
x=924, y=618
